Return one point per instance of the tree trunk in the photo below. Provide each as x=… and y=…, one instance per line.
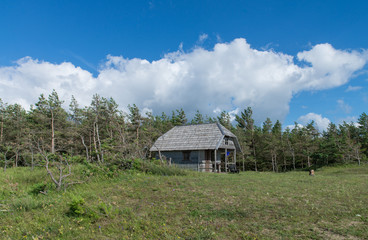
x=284, y=162
x=95, y=143
x=273, y=161
x=90, y=143
x=16, y=157
x=137, y=137
x=357, y=155
x=254, y=153
x=52, y=133
x=5, y=159
x=99, y=142
x=309, y=164
x=2, y=128
x=87, y=156
x=5, y=162
x=32, y=159
x=121, y=133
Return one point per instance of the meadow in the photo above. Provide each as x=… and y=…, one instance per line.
x=113, y=204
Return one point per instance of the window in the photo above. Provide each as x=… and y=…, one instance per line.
x=186, y=155
x=226, y=141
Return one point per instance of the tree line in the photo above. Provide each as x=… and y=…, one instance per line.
x=101, y=133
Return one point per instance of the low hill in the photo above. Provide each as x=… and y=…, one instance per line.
x=135, y=205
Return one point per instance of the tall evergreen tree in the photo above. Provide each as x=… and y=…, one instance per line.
x=246, y=123
x=363, y=132
x=178, y=117
x=50, y=122
x=224, y=120
x=198, y=118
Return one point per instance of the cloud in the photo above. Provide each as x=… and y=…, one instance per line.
x=329, y=67
x=353, y=88
x=24, y=82
x=230, y=76
x=346, y=108
x=202, y=37
x=233, y=113
x=146, y=111
x=268, y=46
x=349, y=119
x=321, y=123
x=291, y=127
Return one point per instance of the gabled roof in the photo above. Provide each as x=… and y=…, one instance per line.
x=209, y=136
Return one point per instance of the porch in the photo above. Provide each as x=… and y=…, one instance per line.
x=203, y=160
x=216, y=160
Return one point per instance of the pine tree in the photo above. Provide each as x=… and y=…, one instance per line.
x=311, y=144
x=363, y=132
x=198, y=118
x=224, y=120
x=49, y=120
x=246, y=123
x=178, y=117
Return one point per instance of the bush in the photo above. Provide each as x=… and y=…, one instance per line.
x=138, y=164
x=105, y=208
x=78, y=208
x=38, y=188
x=126, y=165
x=78, y=159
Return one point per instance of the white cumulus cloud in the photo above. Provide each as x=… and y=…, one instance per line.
x=329, y=67
x=230, y=77
x=321, y=123
x=24, y=82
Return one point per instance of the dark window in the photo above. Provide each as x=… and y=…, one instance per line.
x=186, y=155
x=226, y=141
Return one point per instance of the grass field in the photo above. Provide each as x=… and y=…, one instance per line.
x=133, y=205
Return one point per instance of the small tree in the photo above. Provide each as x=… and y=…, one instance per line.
x=60, y=164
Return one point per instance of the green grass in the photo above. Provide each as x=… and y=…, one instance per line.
x=133, y=205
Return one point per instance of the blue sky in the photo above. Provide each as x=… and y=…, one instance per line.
x=206, y=55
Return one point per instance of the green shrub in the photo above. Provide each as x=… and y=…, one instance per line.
x=78, y=159
x=89, y=169
x=37, y=188
x=77, y=206
x=126, y=164
x=138, y=164
x=105, y=209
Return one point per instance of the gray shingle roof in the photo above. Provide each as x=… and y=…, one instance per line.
x=196, y=137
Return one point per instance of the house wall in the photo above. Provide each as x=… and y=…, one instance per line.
x=201, y=155
x=196, y=159
x=177, y=158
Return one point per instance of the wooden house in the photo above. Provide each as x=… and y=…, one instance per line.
x=202, y=147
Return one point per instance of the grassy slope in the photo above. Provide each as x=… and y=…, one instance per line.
x=331, y=205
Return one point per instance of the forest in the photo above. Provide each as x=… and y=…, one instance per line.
x=103, y=134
